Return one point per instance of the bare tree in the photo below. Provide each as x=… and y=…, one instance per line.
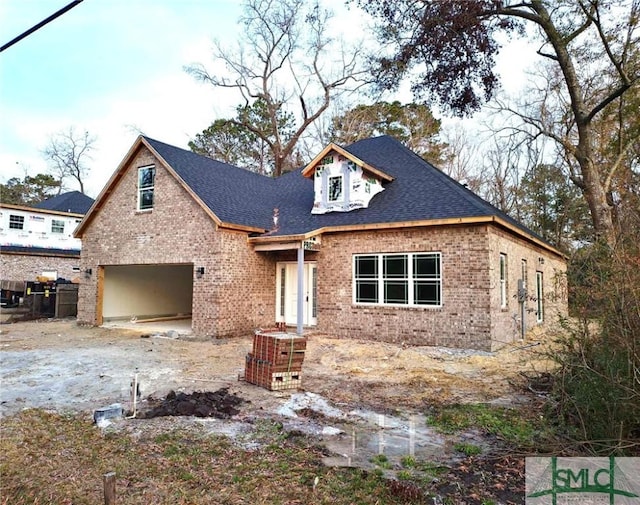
x=592, y=43
x=502, y=168
x=460, y=158
x=544, y=114
x=412, y=124
x=67, y=154
x=287, y=60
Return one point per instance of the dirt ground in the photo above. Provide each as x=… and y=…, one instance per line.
x=363, y=402
x=63, y=366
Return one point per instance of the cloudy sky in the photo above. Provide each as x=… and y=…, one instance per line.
x=114, y=68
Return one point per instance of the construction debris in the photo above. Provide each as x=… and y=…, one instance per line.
x=276, y=361
x=103, y=415
x=219, y=404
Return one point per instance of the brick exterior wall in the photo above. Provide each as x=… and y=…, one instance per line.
x=25, y=267
x=470, y=316
x=244, y=294
x=462, y=321
x=230, y=298
x=506, y=321
x=237, y=292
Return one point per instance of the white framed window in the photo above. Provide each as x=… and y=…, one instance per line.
x=335, y=192
x=395, y=279
x=539, y=297
x=411, y=279
x=16, y=222
x=146, y=181
x=57, y=226
x=503, y=281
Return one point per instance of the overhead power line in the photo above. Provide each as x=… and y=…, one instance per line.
x=40, y=25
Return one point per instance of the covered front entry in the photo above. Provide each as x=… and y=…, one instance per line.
x=287, y=293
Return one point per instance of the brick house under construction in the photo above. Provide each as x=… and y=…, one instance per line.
x=380, y=244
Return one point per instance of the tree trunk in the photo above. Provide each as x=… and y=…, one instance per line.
x=596, y=196
x=593, y=189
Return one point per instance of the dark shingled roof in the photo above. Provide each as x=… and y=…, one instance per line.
x=73, y=201
x=418, y=192
x=234, y=194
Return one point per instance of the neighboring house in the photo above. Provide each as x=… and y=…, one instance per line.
x=38, y=241
x=381, y=245
x=73, y=202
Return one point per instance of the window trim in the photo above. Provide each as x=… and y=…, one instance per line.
x=341, y=198
x=503, y=276
x=59, y=224
x=539, y=297
x=141, y=188
x=379, y=277
x=15, y=220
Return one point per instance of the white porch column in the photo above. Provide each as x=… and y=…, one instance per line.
x=301, y=294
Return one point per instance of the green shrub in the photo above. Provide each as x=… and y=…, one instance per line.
x=596, y=391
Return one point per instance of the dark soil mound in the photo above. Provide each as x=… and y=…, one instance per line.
x=220, y=404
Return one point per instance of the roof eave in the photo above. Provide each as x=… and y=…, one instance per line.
x=241, y=227
x=541, y=243
x=108, y=188
x=495, y=220
x=118, y=174
x=310, y=168
x=37, y=210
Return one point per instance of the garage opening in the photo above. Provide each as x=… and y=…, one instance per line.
x=142, y=293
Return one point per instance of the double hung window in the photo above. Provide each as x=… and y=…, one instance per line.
x=146, y=180
x=57, y=226
x=335, y=188
x=503, y=281
x=16, y=222
x=539, y=298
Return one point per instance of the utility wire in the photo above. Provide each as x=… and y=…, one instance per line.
x=40, y=25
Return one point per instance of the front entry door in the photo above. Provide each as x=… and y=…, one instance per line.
x=287, y=293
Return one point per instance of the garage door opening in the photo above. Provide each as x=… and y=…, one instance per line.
x=147, y=293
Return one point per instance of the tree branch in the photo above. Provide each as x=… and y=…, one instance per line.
x=615, y=94
x=618, y=162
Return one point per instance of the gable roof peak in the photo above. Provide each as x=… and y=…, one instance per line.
x=310, y=169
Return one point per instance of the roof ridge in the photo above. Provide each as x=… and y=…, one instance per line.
x=476, y=200
x=419, y=191
x=209, y=159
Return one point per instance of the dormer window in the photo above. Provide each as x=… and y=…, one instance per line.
x=342, y=182
x=335, y=188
